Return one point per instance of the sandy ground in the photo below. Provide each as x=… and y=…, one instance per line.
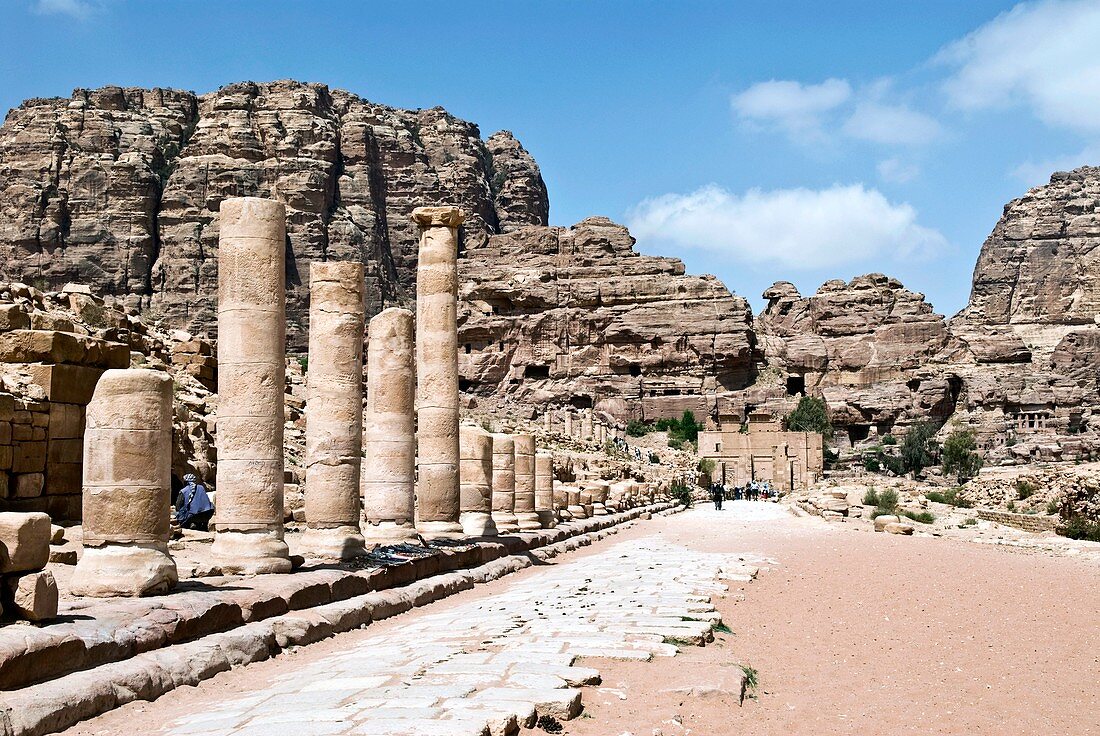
x=851, y=632
x=861, y=633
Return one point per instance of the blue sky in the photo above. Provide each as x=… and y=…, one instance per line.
x=758, y=140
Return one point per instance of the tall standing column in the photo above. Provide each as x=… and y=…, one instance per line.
x=586, y=426
x=544, y=490
x=389, y=473
x=127, y=487
x=251, y=383
x=437, y=494
x=526, y=517
x=334, y=411
x=476, y=472
x=504, y=483
x=567, y=424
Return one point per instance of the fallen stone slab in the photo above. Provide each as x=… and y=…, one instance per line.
x=30, y=595
x=24, y=541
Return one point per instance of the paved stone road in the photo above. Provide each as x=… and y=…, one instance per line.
x=488, y=665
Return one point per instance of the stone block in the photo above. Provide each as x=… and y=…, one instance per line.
x=29, y=457
x=21, y=433
x=64, y=478
x=66, y=421
x=4, y=488
x=63, y=556
x=7, y=407
x=67, y=384
x=5, y=433
x=12, y=317
x=7, y=454
x=24, y=541
x=65, y=451
x=882, y=521
x=29, y=485
x=899, y=528
x=40, y=419
x=38, y=434
x=32, y=595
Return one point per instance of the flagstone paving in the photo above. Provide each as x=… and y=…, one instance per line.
x=490, y=665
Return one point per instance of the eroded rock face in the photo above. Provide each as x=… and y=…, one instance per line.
x=1038, y=266
x=576, y=315
x=120, y=188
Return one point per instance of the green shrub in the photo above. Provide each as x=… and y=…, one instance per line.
x=889, y=439
x=674, y=443
x=811, y=415
x=871, y=463
x=1052, y=507
x=923, y=517
x=969, y=522
x=706, y=465
x=304, y=363
x=1011, y=506
x=1078, y=527
x=635, y=428
x=960, y=455
x=887, y=503
x=870, y=498
x=680, y=430
x=1024, y=490
x=681, y=493
x=950, y=497
x=918, y=450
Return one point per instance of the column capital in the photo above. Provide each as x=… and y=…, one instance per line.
x=444, y=216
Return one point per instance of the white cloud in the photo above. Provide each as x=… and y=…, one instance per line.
x=78, y=9
x=1045, y=55
x=799, y=109
x=896, y=171
x=891, y=125
x=793, y=228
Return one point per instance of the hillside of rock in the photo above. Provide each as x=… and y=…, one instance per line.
x=575, y=316
x=120, y=188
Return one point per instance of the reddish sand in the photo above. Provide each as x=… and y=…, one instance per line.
x=863, y=633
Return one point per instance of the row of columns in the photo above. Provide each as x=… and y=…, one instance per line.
x=410, y=481
x=582, y=426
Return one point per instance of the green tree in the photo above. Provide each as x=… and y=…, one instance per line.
x=918, y=450
x=689, y=428
x=810, y=415
x=960, y=455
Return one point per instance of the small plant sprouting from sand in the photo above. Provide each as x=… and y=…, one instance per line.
x=721, y=628
x=749, y=684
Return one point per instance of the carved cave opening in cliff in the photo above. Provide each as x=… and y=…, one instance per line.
x=796, y=385
x=536, y=371
x=581, y=402
x=858, y=432
x=635, y=370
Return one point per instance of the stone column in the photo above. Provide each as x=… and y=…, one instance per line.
x=586, y=426
x=544, y=490
x=567, y=424
x=526, y=517
x=389, y=473
x=561, y=501
x=504, y=483
x=251, y=383
x=548, y=422
x=334, y=411
x=476, y=471
x=575, y=507
x=600, y=490
x=127, y=487
x=437, y=495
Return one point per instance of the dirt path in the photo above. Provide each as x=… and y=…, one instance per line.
x=862, y=633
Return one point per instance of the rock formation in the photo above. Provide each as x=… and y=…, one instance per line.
x=121, y=188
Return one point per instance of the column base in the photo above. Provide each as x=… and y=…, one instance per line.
x=528, y=521
x=547, y=519
x=477, y=524
x=598, y=509
x=578, y=512
x=564, y=515
x=252, y=552
x=335, y=543
x=135, y=569
x=440, y=529
x=506, y=522
x=388, y=532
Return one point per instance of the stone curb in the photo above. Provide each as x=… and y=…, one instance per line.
x=62, y=702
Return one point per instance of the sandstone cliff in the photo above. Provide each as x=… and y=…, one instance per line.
x=120, y=188
x=577, y=316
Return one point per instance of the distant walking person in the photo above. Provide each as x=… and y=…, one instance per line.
x=193, y=507
x=718, y=494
